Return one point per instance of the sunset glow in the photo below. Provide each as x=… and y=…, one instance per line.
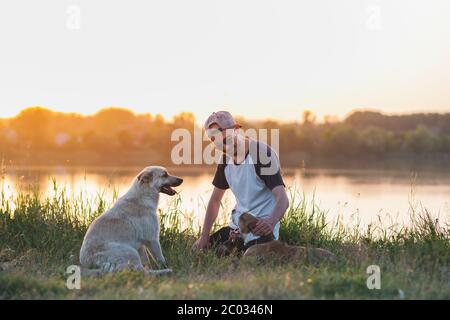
x=259, y=59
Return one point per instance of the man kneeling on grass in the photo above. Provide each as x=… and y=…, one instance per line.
x=251, y=170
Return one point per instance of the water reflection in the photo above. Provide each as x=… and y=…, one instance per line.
x=354, y=195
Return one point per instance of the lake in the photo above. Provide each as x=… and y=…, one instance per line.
x=356, y=196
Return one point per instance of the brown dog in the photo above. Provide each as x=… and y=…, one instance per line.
x=277, y=250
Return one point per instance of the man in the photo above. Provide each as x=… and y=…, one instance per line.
x=251, y=170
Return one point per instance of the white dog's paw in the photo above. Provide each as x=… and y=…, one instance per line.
x=162, y=263
x=108, y=267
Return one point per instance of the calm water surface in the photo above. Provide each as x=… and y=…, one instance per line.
x=362, y=196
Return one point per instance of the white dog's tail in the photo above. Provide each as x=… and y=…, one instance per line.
x=158, y=272
x=91, y=272
x=100, y=271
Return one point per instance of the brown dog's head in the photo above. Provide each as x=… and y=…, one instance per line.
x=247, y=222
x=156, y=178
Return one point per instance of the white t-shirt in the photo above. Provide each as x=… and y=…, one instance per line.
x=251, y=182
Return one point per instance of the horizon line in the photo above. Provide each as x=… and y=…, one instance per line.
x=333, y=116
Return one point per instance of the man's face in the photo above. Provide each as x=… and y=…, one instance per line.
x=225, y=140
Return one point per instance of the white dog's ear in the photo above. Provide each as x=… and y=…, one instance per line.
x=145, y=177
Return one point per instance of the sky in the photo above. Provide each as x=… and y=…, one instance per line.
x=258, y=59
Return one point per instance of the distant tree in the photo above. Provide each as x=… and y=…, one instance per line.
x=308, y=117
x=32, y=127
x=374, y=140
x=439, y=123
x=365, y=119
x=125, y=139
x=443, y=143
x=184, y=120
x=341, y=140
x=2, y=130
x=307, y=138
x=421, y=140
x=361, y=134
x=330, y=119
x=113, y=120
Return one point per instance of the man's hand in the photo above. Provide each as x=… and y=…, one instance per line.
x=201, y=243
x=264, y=227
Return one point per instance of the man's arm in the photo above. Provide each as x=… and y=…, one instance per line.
x=266, y=226
x=212, y=211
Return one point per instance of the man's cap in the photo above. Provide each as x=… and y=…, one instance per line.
x=223, y=119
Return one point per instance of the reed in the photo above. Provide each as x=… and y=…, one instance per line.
x=40, y=235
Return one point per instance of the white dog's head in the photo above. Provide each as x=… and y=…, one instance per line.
x=157, y=178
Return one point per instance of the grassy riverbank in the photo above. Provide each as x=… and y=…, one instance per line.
x=40, y=236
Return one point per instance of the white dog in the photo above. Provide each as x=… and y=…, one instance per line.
x=119, y=238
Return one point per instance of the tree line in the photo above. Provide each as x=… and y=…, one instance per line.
x=118, y=136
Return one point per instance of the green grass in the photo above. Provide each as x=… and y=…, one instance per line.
x=40, y=236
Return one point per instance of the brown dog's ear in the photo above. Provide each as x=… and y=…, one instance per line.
x=247, y=222
x=252, y=221
x=243, y=226
x=145, y=177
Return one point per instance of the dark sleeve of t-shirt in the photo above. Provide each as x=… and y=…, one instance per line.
x=268, y=167
x=220, y=181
